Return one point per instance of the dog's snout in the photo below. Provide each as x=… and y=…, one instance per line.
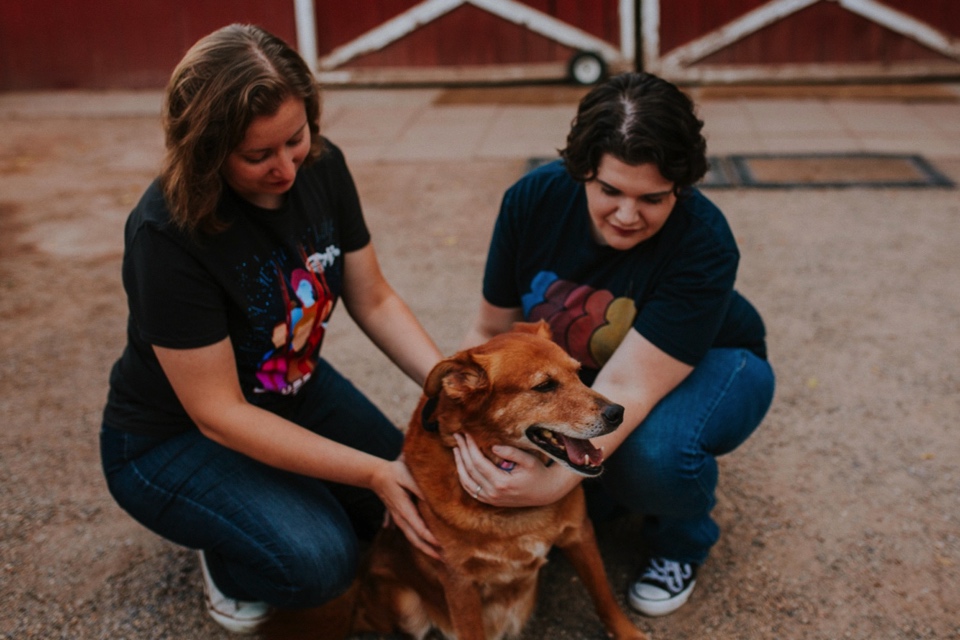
x=613, y=415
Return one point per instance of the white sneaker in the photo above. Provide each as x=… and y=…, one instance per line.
x=236, y=616
x=663, y=587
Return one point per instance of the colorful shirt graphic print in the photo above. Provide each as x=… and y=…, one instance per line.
x=588, y=323
x=675, y=289
x=308, y=302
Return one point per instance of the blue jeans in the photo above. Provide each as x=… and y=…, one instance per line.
x=667, y=468
x=269, y=535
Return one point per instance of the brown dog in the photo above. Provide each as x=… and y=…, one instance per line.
x=518, y=389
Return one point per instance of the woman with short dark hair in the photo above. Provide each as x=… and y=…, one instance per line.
x=634, y=270
x=637, y=118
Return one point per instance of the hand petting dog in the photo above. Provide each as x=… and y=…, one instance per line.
x=528, y=482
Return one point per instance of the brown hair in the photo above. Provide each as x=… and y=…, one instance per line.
x=637, y=118
x=225, y=81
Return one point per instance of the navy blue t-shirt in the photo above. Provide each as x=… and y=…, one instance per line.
x=676, y=288
x=269, y=281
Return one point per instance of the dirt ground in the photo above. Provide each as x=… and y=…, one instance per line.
x=840, y=517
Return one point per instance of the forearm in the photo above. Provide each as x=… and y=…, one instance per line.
x=275, y=441
x=474, y=336
x=391, y=325
x=282, y=444
x=633, y=414
x=637, y=377
x=490, y=321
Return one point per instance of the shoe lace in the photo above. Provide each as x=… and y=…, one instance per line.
x=669, y=573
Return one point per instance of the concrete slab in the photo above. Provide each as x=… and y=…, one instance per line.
x=524, y=131
x=872, y=117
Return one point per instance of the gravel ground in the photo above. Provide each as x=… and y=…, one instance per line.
x=840, y=517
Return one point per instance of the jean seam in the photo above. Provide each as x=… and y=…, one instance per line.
x=712, y=409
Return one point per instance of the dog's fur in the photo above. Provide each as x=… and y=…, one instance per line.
x=518, y=389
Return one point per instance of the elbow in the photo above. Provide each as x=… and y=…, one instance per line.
x=217, y=422
x=211, y=432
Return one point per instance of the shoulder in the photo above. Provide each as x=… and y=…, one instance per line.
x=150, y=213
x=546, y=187
x=706, y=219
x=331, y=158
x=152, y=206
x=150, y=228
x=547, y=177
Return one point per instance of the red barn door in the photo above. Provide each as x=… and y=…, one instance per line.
x=469, y=40
x=743, y=40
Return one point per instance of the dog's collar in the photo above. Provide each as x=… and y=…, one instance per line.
x=426, y=415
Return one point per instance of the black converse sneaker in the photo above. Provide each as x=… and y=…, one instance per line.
x=663, y=587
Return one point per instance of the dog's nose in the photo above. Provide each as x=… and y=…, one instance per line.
x=613, y=414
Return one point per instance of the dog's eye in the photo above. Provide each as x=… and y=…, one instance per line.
x=546, y=386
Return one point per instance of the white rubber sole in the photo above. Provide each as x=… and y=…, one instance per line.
x=246, y=618
x=656, y=608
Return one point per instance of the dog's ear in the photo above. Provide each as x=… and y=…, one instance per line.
x=539, y=328
x=459, y=376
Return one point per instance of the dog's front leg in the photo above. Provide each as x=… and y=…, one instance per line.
x=464, y=605
x=583, y=553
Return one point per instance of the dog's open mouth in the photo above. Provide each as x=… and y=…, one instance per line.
x=578, y=454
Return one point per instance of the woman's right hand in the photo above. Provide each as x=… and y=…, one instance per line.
x=394, y=484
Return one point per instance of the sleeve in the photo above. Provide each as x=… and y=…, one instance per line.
x=499, y=279
x=354, y=233
x=686, y=309
x=174, y=302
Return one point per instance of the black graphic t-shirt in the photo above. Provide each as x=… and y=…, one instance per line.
x=269, y=282
x=676, y=289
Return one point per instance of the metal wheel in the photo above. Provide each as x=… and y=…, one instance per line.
x=587, y=68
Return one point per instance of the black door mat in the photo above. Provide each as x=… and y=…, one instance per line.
x=823, y=171
x=815, y=171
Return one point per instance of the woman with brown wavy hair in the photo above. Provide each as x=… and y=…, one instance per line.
x=224, y=429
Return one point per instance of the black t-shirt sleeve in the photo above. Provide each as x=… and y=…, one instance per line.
x=499, y=277
x=174, y=302
x=687, y=308
x=354, y=233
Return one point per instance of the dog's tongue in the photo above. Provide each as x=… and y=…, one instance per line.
x=582, y=452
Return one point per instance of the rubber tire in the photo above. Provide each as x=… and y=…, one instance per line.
x=586, y=68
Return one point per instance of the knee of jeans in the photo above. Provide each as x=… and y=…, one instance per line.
x=645, y=462
x=316, y=576
x=663, y=481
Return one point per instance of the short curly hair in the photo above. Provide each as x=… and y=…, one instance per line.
x=637, y=118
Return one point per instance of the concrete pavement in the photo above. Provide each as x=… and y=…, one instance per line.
x=420, y=124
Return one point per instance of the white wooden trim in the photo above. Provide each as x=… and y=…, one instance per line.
x=676, y=64
x=429, y=10
x=650, y=34
x=748, y=23
x=730, y=74
x=548, y=26
x=306, y=19
x=628, y=30
x=390, y=31
x=441, y=75
x=905, y=25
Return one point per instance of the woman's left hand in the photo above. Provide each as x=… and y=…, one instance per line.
x=395, y=488
x=522, y=481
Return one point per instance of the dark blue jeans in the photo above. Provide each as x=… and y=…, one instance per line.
x=269, y=535
x=667, y=468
